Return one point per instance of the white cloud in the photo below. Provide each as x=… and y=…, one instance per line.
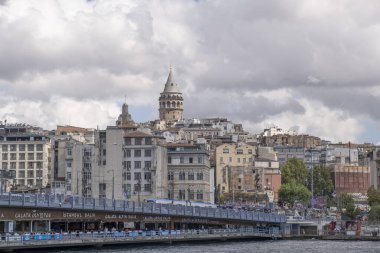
x=312, y=64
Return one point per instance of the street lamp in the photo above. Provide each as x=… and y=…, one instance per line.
x=139, y=189
x=113, y=183
x=78, y=182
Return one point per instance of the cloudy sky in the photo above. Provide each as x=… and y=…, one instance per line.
x=312, y=65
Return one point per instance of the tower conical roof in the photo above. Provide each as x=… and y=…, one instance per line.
x=170, y=85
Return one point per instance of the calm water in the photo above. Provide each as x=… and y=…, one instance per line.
x=309, y=246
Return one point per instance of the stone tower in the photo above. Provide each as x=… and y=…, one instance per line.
x=171, y=101
x=124, y=118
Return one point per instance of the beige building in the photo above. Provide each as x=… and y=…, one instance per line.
x=234, y=164
x=171, y=102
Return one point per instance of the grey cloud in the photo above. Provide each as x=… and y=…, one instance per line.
x=220, y=50
x=212, y=103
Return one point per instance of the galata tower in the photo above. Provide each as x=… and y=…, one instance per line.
x=171, y=101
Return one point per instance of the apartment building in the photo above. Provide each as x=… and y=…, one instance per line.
x=189, y=174
x=25, y=157
x=234, y=167
x=144, y=173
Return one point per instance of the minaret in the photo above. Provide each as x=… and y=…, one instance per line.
x=171, y=101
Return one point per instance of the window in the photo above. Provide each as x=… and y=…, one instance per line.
x=30, y=173
x=104, y=152
x=170, y=194
x=102, y=187
x=13, y=165
x=129, y=164
x=148, y=153
x=4, y=147
x=190, y=176
x=226, y=151
x=129, y=175
x=199, y=195
x=87, y=166
x=230, y=159
x=68, y=187
x=199, y=176
x=21, y=174
x=21, y=165
x=40, y=156
x=21, y=147
x=137, y=187
x=147, y=176
x=190, y=160
x=147, y=164
x=137, y=152
x=244, y=160
x=39, y=147
x=137, y=164
x=148, y=141
x=69, y=152
x=30, y=165
x=137, y=176
x=21, y=156
x=181, y=194
x=128, y=141
x=170, y=176
x=191, y=194
x=68, y=175
x=238, y=160
x=68, y=164
x=13, y=156
x=5, y=156
x=138, y=141
x=30, y=156
x=250, y=151
x=182, y=160
x=182, y=175
x=13, y=147
x=128, y=153
x=87, y=153
x=239, y=151
x=200, y=159
x=169, y=159
x=221, y=159
x=147, y=187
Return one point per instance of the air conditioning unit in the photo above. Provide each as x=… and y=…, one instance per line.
x=128, y=168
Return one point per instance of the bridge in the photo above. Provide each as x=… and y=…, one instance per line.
x=31, y=213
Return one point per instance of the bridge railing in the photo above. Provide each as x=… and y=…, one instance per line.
x=80, y=203
x=25, y=238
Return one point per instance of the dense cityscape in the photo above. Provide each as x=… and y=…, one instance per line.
x=263, y=136
x=209, y=160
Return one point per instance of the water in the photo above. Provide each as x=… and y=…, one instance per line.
x=280, y=246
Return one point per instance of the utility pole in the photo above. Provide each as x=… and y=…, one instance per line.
x=312, y=179
x=113, y=183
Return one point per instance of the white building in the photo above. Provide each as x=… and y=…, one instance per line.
x=25, y=157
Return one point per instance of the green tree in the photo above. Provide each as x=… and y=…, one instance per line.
x=322, y=182
x=374, y=213
x=373, y=196
x=294, y=170
x=292, y=192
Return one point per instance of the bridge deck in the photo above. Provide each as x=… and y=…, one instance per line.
x=51, y=202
